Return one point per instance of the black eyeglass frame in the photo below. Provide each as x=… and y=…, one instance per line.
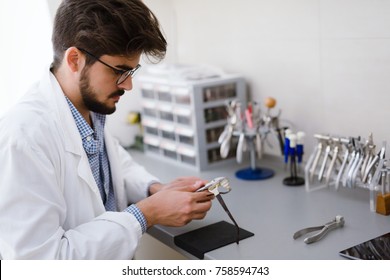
x=123, y=74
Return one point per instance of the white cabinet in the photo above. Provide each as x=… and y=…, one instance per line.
x=183, y=118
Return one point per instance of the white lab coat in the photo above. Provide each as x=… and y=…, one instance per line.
x=50, y=206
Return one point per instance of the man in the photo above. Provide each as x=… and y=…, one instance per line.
x=67, y=189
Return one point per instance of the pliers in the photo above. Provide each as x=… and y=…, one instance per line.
x=323, y=230
x=218, y=186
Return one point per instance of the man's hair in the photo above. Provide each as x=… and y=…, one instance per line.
x=111, y=27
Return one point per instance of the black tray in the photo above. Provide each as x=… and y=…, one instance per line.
x=208, y=238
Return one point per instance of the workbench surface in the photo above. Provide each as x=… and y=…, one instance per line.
x=274, y=212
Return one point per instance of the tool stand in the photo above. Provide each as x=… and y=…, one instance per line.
x=292, y=152
x=253, y=172
x=294, y=180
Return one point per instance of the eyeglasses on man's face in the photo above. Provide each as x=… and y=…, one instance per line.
x=123, y=74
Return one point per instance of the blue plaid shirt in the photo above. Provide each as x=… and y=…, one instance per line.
x=93, y=144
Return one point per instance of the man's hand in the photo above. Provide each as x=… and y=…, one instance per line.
x=177, y=183
x=176, y=203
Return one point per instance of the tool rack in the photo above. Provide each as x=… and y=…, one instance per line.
x=246, y=131
x=350, y=162
x=184, y=113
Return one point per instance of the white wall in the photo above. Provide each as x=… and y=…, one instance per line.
x=327, y=62
x=25, y=48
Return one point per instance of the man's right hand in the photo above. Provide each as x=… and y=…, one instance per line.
x=176, y=206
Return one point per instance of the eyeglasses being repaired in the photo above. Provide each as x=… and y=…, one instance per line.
x=218, y=186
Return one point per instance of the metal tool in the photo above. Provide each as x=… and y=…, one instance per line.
x=240, y=146
x=375, y=160
x=272, y=123
x=369, y=153
x=335, y=155
x=383, y=178
x=226, y=136
x=317, y=156
x=218, y=186
x=349, y=167
x=259, y=145
x=323, y=230
x=387, y=190
x=225, y=145
x=354, y=164
x=240, y=127
x=347, y=152
x=232, y=122
x=374, y=185
x=353, y=180
x=325, y=159
x=220, y=183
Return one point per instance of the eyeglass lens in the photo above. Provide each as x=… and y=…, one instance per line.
x=126, y=74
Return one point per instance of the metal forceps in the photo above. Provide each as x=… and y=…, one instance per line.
x=218, y=186
x=317, y=152
x=335, y=155
x=323, y=230
x=325, y=159
x=374, y=160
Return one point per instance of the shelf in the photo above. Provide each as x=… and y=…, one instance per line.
x=183, y=119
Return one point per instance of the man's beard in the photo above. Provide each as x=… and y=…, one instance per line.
x=90, y=97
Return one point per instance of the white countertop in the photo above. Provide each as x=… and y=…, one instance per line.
x=274, y=212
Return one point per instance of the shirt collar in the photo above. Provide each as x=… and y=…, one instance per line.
x=90, y=137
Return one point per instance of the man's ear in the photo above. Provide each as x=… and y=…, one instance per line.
x=74, y=59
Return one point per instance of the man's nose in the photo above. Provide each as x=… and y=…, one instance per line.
x=127, y=84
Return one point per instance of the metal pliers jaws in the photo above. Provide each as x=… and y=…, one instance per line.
x=323, y=230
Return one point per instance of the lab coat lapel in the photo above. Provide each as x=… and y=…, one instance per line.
x=65, y=121
x=75, y=147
